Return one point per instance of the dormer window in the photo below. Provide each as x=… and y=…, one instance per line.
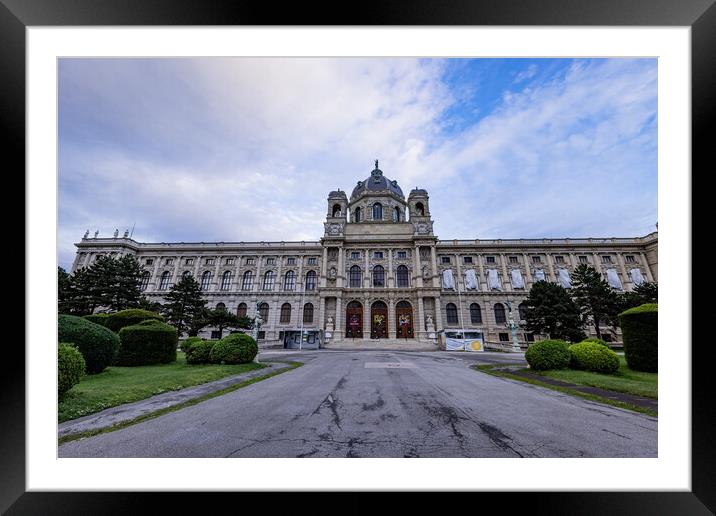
x=377, y=211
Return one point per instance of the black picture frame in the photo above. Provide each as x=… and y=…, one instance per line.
x=699, y=15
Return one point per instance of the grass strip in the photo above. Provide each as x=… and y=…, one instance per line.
x=490, y=369
x=90, y=433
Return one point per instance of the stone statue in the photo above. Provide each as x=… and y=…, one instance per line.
x=332, y=273
x=116, y=233
x=426, y=271
x=86, y=234
x=329, y=323
x=126, y=233
x=430, y=326
x=96, y=233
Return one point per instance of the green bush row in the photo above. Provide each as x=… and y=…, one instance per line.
x=236, y=348
x=99, y=346
x=70, y=367
x=640, y=331
x=548, y=354
x=146, y=343
x=592, y=356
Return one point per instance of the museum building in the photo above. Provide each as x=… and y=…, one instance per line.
x=379, y=272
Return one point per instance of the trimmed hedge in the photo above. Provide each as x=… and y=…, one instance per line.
x=98, y=345
x=150, y=322
x=145, y=344
x=640, y=331
x=592, y=356
x=186, y=343
x=130, y=317
x=237, y=348
x=100, y=319
x=598, y=341
x=199, y=352
x=548, y=354
x=70, y=367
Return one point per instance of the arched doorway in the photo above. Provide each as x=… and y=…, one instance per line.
x=379, y=320
x=404, y=320
x=354, y=320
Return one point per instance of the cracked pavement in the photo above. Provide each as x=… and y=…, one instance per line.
x=364, y=404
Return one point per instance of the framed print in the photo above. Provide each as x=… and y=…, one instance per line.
x=61, y=86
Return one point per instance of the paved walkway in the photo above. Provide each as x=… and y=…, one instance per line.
x=129, y=411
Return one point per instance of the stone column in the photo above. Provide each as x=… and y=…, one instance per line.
x=196, y=267
x=419, y=324
x=645, y=264
x=438, y=314
x=155, y=283
x=506, y=280
x=417, y=279
x=528, y=271
x=340, y=326
x=597, y=264
x=175, y=278
x=300, y=281
x=217, y=280
x=434, y=258
x=278, y=286
x=481, y=280
x=341, y=276
x=626, y=278
x=324, y=266
x=366, y=270
x=459, y=280
x=258, y=281
x=366, y=318
x=390, y=280
x=392, y=334
x=322, y=315
x=550, y=267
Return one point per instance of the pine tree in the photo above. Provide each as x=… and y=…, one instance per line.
x=595, y=298
x=185, y=306
x=551, y=311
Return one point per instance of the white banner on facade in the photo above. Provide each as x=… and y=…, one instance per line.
x=448, y=280
x=517, y=281
x=613, y=279
x=636, y=276
x=475, y=344
x=493, y=280
x=471, y=280
x=563, y=278
x=539, y=274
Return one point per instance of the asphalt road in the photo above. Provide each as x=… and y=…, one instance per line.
x=384, y=404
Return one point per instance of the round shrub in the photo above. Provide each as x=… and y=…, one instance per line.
x=145, y=344
x=640, y=331
x=100, y=319
x=199, y=352
x=237, y=348
x=548, y=354
x=592, y=356
x=98, y=345
x=129, y=317
x=188, y=342
x=150, y=322
x=598, y=341
x=70, y=367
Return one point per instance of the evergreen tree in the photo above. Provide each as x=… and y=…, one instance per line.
x=222, y=319
x=647, y=292
x=185, y=306
x=594, y=297
x=64, y=291
x=551, y=311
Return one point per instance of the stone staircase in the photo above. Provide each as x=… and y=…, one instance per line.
x=382, y=344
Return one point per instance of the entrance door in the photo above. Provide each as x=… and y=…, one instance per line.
x=404, y=320
x=379, y=320
x=354, y=320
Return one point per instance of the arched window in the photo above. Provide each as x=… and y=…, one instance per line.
x=220, y=306
x=145, y=281
x=248, y=281
x=311, y=280
x=522, y=309
x=377, y=211
x=475, y=314
x=241, y=310
x=164, y=281
x=186, y=274
x=308, y=313
x=500, y=313
x=355, y=276
x=378, y=276
x=206, y=280
x=358, y=215
x=396, y=214
x=289, y=282
x=419, y=209
x=451, y=313
x=268, y=280
x=226, y=281
x=402, y=276
x=285, y=314
x=336, y=210
x=264, y=312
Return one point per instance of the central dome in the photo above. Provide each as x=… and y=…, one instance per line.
x=376, y=182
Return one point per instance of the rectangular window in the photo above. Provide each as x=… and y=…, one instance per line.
x=504, y=337
x=261, y=335
x=630, y=259
x=536, y=259
x=355, y=255
x=333, y=253
x=378, y=255
x=513, y=259
x=189, y=261
x=490, y=259
x=402, y=255
x=215, y=334
x=209, y=261
x=606, y=337
x=467, y=259
x=445, y=259
x=149, y=261
x=529, y=337
x=583, y=259
x=291, y=261
x=270, y=261
x=168, y=261
x=559, y=259
x=249, y=261
x=312, y=260
x=229, y=261
x=606, y=259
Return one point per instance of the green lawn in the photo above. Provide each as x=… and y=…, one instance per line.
x=624, y=380
x=118, y=385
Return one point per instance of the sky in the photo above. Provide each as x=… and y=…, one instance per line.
x=247, y=149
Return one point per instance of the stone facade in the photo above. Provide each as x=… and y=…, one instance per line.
x=379, y=271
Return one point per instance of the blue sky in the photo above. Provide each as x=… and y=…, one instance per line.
x=247, y=149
